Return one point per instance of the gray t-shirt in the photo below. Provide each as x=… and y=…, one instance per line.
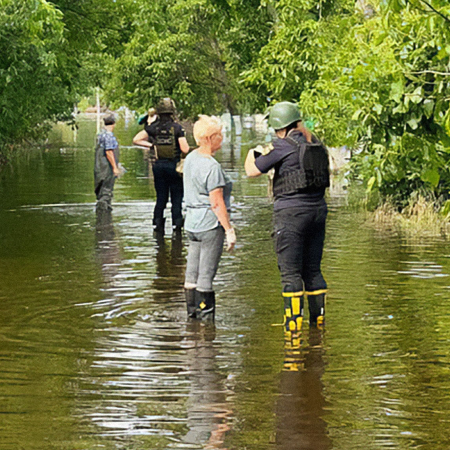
x=201, y=175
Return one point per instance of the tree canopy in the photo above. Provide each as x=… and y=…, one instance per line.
x=193, y=51
x=53, y=52
x=373, y=76
x=383, y=88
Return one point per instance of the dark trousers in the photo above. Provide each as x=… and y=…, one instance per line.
x=299, y=234
x=167, y=181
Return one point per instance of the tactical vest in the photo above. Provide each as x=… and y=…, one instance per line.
x=165, y=142
x=312, y=173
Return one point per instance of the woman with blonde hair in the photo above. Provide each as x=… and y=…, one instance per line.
x=207, y=197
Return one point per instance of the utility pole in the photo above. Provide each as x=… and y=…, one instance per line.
x=98, y=110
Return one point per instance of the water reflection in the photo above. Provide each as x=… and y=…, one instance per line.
x=170, y=265
x=96, y=351
x=301, y=405
x=108, y=251
x=158, y=385
x=156, y=381
x=208, y=413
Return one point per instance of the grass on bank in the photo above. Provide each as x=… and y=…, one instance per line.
x=421, y=217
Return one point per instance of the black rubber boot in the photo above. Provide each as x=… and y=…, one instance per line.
x=178, y=225
x=293, y=311
x=316, y=303
x=159, y=225
x=205, y=303
x=190, y=295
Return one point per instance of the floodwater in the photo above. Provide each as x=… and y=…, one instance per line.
x=96, y=352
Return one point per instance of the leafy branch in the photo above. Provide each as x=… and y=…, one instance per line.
x=434, y=72
x=435, y=10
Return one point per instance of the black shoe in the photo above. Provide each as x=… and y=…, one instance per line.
x=178, y=225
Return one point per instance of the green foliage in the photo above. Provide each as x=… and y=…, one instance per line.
x=289, y=63
x=29, y=35
x=52, y=53
x=191, y=50
x=386, y=92
x=377, y=82
x=374, y=77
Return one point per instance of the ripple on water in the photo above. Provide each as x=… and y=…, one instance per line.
x=95, y=342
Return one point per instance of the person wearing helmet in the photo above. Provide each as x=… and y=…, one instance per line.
x=168, y=139
x=301, y=177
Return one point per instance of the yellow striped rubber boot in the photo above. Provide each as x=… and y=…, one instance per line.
x=316, y=304
x=293, y=311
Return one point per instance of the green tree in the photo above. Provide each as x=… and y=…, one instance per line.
x=52, y=54
x=30, y=32
x=290, y=62
x=375, y=78
x=191, y=50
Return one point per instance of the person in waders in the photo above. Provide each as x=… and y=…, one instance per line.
x=301, y=177
x=167, y=138
x=208, y=196
x=106, y=167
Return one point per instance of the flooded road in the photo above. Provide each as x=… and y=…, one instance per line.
x=96, y=352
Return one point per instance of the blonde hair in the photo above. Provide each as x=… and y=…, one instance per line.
x=205, y=127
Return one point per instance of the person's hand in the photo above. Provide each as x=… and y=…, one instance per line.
x=230, y=235
x=116, y=171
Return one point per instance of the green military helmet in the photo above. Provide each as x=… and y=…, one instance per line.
x=283, y=114
x=166, y=106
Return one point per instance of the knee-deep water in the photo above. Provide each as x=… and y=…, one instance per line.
x=96, y=351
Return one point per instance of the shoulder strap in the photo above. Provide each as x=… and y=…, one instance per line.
x=297, y=146
x=300, y=147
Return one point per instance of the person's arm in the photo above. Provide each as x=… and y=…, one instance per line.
x=142, y=139
x=152, y=119
x=112, y=160
x=220, y=210
x=184, y=146
x=250, y=167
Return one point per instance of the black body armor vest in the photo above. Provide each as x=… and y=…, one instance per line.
x=312, y=172
x=165, y=141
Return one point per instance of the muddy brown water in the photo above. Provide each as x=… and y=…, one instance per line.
x=96, y=352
